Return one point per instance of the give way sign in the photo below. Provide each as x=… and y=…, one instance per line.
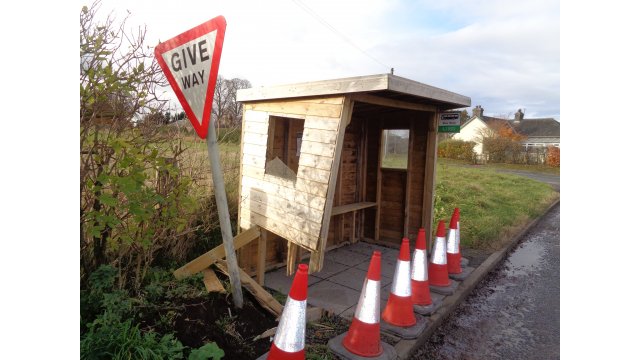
x=190, y=62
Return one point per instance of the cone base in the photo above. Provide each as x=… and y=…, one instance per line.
x=420, y=293
x=444, y=290
x=363, y=339
x=408, y=333
x=463, y=275
x=276, y=354
x=336, y=347
x=399, y=311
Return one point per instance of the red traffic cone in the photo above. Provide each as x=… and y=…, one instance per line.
x=438, y=262
x=288, y=343
x=399, y=309
x=420, y=293
x=363, y=338
x=453, y=246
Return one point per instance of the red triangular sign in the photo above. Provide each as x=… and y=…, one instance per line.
x=190, y=62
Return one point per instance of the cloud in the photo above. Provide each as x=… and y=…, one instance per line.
x=503, y=55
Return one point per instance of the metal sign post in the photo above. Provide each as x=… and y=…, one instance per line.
x=190, y=62
x=223, y=213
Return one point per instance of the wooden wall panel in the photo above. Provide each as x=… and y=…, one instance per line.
x=289, y=209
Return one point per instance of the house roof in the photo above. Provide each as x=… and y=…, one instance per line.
x=383, y=85
x=546, y=127
x=542, y=127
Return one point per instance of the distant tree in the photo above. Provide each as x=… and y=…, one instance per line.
x=226, y=110
x=234, y=106
x=464, y=116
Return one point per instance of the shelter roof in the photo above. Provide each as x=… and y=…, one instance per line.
x=383, y=85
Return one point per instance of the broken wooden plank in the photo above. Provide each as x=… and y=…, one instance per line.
x=205, y=260
x=293, y=256
x=262, y=256
x=211, y=281
x=263, y=296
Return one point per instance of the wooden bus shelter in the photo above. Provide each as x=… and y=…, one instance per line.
x=313, y=174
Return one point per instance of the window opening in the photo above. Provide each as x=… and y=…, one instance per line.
x=395, y=149
x=283, y=147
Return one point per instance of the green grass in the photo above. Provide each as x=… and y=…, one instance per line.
x=394, y=161
x=493, y=206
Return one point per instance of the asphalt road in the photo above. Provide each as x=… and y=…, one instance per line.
x=515, y=312
x=551, y=179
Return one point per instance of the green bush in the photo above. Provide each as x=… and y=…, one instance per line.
x=457, y=149
x=109, y=337
x=502, y=150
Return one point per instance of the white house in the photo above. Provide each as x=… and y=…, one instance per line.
x=541, y=132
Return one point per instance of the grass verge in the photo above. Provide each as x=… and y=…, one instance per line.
x=493, y=206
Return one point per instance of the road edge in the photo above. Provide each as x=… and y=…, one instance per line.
x=406, y=348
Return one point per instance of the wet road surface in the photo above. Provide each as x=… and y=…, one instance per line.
x=515, y=312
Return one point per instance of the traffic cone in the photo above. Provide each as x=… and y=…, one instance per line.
x=453, y=246
x=420, y=293
x=288, y=342
x=463, y=261
x=399, y=309
x=363, y=338
x=438, y=262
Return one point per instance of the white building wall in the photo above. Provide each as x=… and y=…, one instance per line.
x=472, y=132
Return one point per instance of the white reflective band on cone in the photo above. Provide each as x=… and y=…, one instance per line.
x=458, y=234
x=439, y=255
x=452, y=242
x=368, y=309
x=419, y=268
x=401, y=282
x=290, y=334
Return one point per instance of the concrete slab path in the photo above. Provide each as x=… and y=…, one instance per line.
x=337, y=287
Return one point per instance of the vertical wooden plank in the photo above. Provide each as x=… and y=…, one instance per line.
x=340, y=233
x=317, y=257
x=379, y=185
x=292, y=257
x=353, y=227
x=239, y=229
x=407, y=195
x=262, y=256
x=430, y=177
x=363, y=174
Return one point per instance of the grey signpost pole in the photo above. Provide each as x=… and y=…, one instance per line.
x=223, y=213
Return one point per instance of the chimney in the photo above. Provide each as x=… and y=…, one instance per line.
x=518, y=117
x=478, y=111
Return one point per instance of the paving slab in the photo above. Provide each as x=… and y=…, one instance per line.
x=387, y=268
x=279, y=281
x=353, y=278
x=336, y=347
x=347, y=257
x=390, y=254
x=464, y=262
x=330, y=268
x=366, y=248
x=331, y=296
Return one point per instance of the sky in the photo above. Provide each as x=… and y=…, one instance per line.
x=504, y=55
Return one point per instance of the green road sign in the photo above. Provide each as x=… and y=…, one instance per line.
x=449, y=122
